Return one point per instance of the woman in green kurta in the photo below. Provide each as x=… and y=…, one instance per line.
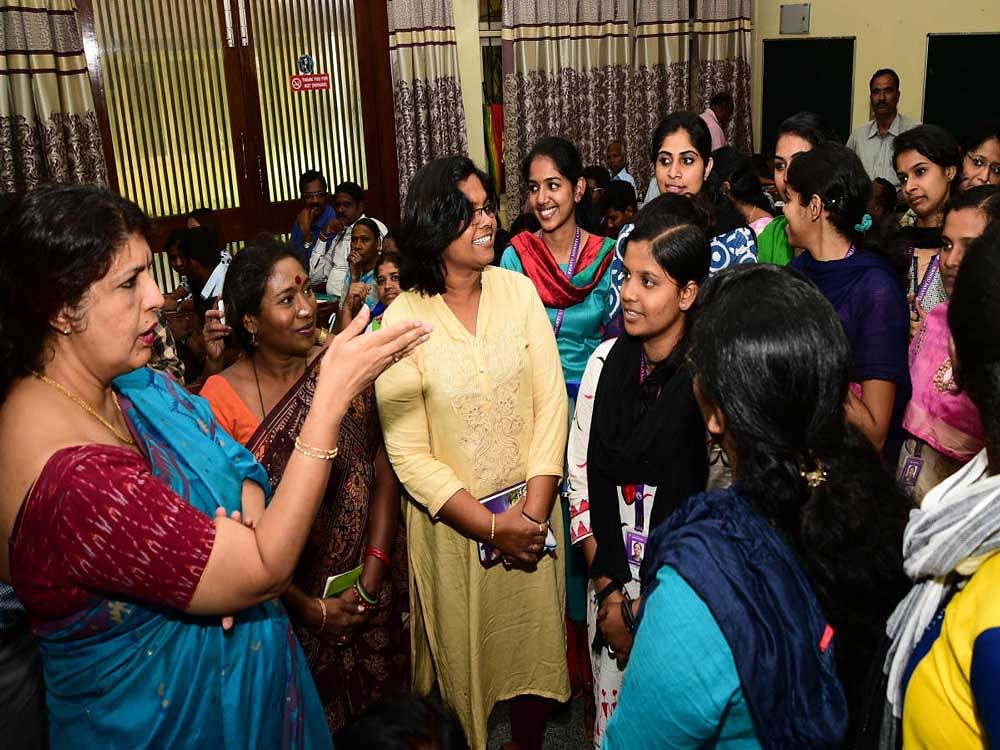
x=797, y=134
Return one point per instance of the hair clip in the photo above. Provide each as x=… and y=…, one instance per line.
x=814, y=477
x=865, y=224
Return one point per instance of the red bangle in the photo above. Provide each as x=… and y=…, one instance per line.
x=376, y=552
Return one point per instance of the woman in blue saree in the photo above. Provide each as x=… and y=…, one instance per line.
x=111, y=477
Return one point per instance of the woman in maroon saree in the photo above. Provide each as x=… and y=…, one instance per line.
x=357, y=644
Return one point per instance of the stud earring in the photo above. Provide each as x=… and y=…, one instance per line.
x=65, y=332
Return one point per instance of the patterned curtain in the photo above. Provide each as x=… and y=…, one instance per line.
x=48, y=128
x=722, y=30
x=660, y=78
x=427, y=93
x=566, y=73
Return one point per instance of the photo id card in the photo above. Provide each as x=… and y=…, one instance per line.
x=635, y=548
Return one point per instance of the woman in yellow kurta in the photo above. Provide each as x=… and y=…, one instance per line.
x=479, y=408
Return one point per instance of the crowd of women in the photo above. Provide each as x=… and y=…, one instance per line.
x=756, y=454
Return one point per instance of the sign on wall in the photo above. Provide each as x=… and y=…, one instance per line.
x=307, y=79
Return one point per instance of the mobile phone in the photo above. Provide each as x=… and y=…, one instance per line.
x=222, y=309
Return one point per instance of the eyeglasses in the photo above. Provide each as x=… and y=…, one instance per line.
x=478, y=213
x=315, y=194
x=979, y=161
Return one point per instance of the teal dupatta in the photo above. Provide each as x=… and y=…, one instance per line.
x=128, y=675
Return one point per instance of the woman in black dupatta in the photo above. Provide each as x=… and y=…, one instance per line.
x=637, y=443
x=356, y=643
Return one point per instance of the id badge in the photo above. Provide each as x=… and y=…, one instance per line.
x=635, y=548
x=910, y=471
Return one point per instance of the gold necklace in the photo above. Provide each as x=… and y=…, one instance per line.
x=69, y=394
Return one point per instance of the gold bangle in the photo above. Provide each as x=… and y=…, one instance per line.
x=493, y=526
x=313, y=452
x=322, y=605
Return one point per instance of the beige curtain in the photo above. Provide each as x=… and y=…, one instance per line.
x=566, y=73
x=48, y=129
x=427, y=92
x=723, y=30
x=660, y=77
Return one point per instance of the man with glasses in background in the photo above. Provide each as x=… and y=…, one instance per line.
x=316, y=218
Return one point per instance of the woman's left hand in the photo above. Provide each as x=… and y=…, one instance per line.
x=612, y=628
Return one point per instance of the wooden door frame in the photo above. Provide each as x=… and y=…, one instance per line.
x=382, y=197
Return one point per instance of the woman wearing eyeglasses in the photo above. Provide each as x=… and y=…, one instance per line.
x=482, y=413
x=980, y=155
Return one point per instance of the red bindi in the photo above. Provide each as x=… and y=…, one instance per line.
x=298, y=279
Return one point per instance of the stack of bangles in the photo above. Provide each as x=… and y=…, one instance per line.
x=366, y=597
x=313, y=452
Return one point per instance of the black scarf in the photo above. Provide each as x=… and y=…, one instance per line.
x=650, y=433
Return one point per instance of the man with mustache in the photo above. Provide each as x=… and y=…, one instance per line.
x=316, y=218
x=873, y=141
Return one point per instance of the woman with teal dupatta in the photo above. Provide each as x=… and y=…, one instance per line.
x=569, y=266
x=121, y=499
x=571, y=269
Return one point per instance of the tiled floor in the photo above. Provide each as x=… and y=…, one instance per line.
x=564, y=730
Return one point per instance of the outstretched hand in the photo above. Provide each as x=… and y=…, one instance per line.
x=354, y=359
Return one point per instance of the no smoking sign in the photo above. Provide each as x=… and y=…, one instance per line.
x=319, y=82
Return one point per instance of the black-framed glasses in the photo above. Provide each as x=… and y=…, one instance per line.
x=478, y=213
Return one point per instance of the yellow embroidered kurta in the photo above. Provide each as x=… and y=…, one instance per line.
x=482, y=413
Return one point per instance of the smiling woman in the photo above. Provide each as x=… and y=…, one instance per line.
x=637, y=441
x=480, y=413
x=103, y=460
x=356, y=651
x=571, y=269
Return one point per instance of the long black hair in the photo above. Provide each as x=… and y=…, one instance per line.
x=736, y=168
x=55, y=242
x=725, y=217
x=246, y=282
x=932, y=142
x=835, y=173
x=808, y=126
x=974, y=321
x=674, y=227
x=435, y=214
x=567, y=159
x=770, y=352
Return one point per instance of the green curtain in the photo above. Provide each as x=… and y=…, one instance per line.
x=49, y=131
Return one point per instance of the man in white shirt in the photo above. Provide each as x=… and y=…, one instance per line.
x=329, y=260
x=717, y=117
x=617, y=163
x=873, y=141
x=204, y=264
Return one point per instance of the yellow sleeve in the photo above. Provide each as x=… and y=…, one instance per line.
x=549, y=400
x=401, y=408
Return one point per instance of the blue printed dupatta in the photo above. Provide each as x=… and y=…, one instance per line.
x=128, y=675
